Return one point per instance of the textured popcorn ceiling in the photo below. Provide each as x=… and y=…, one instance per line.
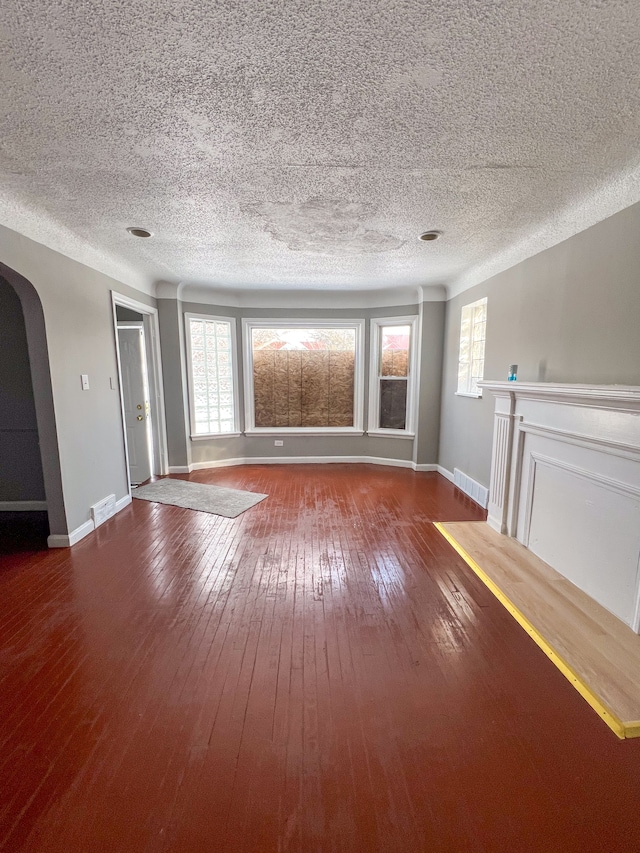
x=283, y=144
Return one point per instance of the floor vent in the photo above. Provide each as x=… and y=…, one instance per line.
x=480, y=494
x=103, y=510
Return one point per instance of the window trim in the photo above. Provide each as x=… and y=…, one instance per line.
x=249, y=324
x=193, y=435
x=412, y=376
x=465, y=392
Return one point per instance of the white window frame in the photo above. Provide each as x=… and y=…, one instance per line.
x=248, y=325
x=374, y=377
x=466, y=392
x=234, y=374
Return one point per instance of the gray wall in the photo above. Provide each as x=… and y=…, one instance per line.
x=183, y=450
x=78, y=316
x=428, y=425
x=568, y=314
x=20, y=464
x=173, y=375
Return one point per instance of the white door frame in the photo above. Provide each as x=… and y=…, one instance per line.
x=156, y=386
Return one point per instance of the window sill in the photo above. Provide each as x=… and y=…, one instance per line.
x=325, y=431
x=215, y=435
x=468, y=394
x=391, y=433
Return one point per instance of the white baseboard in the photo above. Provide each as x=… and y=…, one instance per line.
x=23, y=506
x=494, y=525
x=57, y=540
x=445, y=473
x=300, y=460
x=67, y=540
x=122, y=503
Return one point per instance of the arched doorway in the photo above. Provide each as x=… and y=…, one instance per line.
x=30, y=475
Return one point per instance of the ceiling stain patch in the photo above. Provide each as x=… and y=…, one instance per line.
x=324, y=226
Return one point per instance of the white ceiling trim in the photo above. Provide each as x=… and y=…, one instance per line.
x=42, y=228
x=616, y=195
x=302, y=298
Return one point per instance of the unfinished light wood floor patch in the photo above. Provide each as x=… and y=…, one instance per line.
x=595, y=650
x=322, y=674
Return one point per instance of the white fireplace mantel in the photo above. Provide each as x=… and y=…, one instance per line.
x=607, y=396
x=565, y=481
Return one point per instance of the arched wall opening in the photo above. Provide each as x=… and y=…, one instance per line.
x=29, y=461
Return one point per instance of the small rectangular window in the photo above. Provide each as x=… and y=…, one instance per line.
x=392, y=354
x=473, y=332
x=212, y=375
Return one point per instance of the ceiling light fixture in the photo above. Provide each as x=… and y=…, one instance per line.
x=428, y=236
x=139, y=232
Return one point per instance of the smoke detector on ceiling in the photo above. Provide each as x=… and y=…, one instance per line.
x=139, y=232
x=428, y=236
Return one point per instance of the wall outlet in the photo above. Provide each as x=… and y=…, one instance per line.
x=278, y=443
x=103, y=510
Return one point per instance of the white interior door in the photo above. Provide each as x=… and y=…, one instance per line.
x=136, y=401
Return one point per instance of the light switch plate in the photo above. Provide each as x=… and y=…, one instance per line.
x=85, y=381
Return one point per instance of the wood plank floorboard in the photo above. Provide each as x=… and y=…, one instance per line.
x=322, y=673
x=601, y=649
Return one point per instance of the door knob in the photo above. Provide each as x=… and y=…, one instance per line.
x=140, y=418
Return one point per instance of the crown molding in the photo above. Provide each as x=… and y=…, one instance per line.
x=38, y=226
x=616, y=195
x=168, y=290
x=252, y=298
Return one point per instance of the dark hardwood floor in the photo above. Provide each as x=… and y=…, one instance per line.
x=323, y=673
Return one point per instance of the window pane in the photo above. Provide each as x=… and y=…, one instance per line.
x=393, y=403
x=303, y=376
x=464, y=372
x=477, y=368
x=212, y=389
x=465, y=325
x=472, y=342
x=394, y=350
x=477, y=350
x=304, y=340
x=480, y=311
